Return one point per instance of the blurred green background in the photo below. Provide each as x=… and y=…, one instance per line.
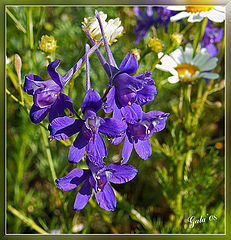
x=147, y=204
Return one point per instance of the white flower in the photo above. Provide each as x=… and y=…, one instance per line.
x=112, y=28
x=198, y=13
x=186, y=68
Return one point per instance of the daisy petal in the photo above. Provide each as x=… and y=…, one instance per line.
x=209, y=75
x=179, y=16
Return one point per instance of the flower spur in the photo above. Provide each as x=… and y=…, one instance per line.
x=124, y=89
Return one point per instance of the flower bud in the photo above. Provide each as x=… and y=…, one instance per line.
x=136, y=52
x=18, y=66
x=48, y=44
x=177, y=39
x=155, y=44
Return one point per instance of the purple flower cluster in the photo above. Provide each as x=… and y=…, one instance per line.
x=211, y=36
x=148, y=19
x=126, y=94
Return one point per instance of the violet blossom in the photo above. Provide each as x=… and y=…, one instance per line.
x=47, y=95
x=211, y=36
x=139, y=131
x=88, y=138
x=97, y=178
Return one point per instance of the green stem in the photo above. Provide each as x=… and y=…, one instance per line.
x=199, y=33
x=26, y=220
x=186, y=107
x=18, y=24
x=200, y=105
x=179, y=178
x=48, y=152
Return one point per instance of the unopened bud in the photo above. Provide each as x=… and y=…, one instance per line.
x=136, y=52
x=18, y=66
x=48, y=44
x=155, y=44
x=177, y=39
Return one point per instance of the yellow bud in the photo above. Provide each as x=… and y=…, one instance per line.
x=47, y=44
x=136, y=52
x=176, y=38
x=155, y=44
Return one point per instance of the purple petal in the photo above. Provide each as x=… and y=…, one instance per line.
x=46, y=94
x=132, y=113
x=129, y=64
x=157, y=118
x=117, y=140
x=121, y=173
x=143, y=148
x=83, y=196
x=149, y=90
x=58, y=108
x=112, y=127
x=117, y=113
x=123, y=80
x=91, y=101
x=38, y=114
x=63, y=127
x=32, y=83
x=78, y=148
x=125, y=97
x=109, y=104
x=149, y=11
x=67, y=102
x=51, y=69
x=94, y=154
x=106, y=198
x=138, y=130
x=212, y=50
x=127, y=149
x=101, y=146
x=73, y=179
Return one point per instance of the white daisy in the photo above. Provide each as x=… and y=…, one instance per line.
x=112, y=28
x=187, y=68
x=197, y=13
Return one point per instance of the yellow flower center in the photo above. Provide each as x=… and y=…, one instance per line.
x=186, y=71
x=195, y=9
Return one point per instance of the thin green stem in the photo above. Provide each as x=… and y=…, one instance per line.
x=199, y=33
x=26, y=220
x=48, y=152
x=200, y=105
x=179, y=178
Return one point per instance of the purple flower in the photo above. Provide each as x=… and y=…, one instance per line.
x=125, y=89
x=88, y=138
x=144, y=22
x=97, y=178
x=139, y=132
x=163, y=17
x=47, y=95
x=212, y=35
